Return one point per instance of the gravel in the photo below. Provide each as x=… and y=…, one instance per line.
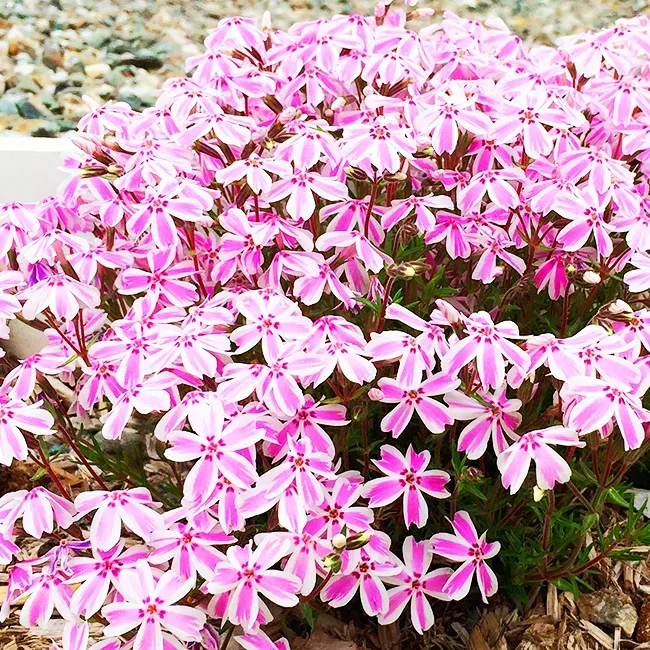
x=54, y=51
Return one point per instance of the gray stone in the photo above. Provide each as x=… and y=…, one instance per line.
x=8, y=105
x=610, y=608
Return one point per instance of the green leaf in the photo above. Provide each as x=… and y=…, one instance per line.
x=309, y=615
x=40, y=473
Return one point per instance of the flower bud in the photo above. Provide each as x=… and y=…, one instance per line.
x=287, y=114
x=266, y=21
x=339, y=541
x=591, y=277
x=449, y=312
x=338, y=104
x=376, y=394
x=358, y=541
x=538, y=494
x=333, y=562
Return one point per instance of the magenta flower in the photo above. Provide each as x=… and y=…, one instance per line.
x=551, y=468
x=467, y=547
x=413, y=357
x=407, y=477
x=488, y=344
x=495, y=183
x=46, y=592
x=246, y=575
x=417, y=398
x=133, y=508
x=413, y=584
x=148, y=605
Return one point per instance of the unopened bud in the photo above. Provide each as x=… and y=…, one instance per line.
x=449, y=312
x=358, y=541
x=538, y=494
x=591, y=277
x=288, y=114
x=338, y=103
x=339, y=541
x=266, y=21
x=376, y=394
x=116, y=170
x=571, y=269
x=333, y=562
x=620, y=307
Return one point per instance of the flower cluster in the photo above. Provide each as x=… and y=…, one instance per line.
x=323, y=259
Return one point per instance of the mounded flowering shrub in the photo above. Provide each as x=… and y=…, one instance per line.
x=374, y=299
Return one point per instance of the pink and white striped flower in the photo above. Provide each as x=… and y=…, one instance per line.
x=406, y=477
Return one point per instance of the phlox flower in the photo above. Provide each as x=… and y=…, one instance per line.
x=217, y=448
x=639, y=278
x=301, y=187
x=380, y=143
x=586, y=215
x=338, y=510
x=295, y=484
x=393, y=345
x=416, y=397
x=47, y=591
x=148, y=605
x=372, y=258
x=493, y=416
x=133, y=508
x=467, y=547
x=489, y=345
x=407, y=477
x=413, y=584
x=367, y=579
x=190, y=547
x=96, y=575
x=598, y=401
x=495, y=183
x=17, y=417
x=271, y=319
x=424, y=218
x=260, y=641
x=550, y=467
x=62, y=295
x=307, y=423
x=246, y=575
x=306, y=552
x=433, y=338
x=256, y=170
x=39, y=510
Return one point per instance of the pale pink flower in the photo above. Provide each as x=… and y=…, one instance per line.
x=599, y=401
x=148, y=604
x=488, y=344
x=413, y=584
x=550, y=467
x=424, y=218
x=492, y=417
x=366, y=577
x=39, y=510
x=495, y=183
x=413, y=358
x=407, y=477
x=62, y=295
x=416, y=397
x=256, y=170
x=17, y=417
x=133, y=508
x=301, y=187
x=218, y=449
x=98, y=574
x=467, y=547
x=246, y=575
